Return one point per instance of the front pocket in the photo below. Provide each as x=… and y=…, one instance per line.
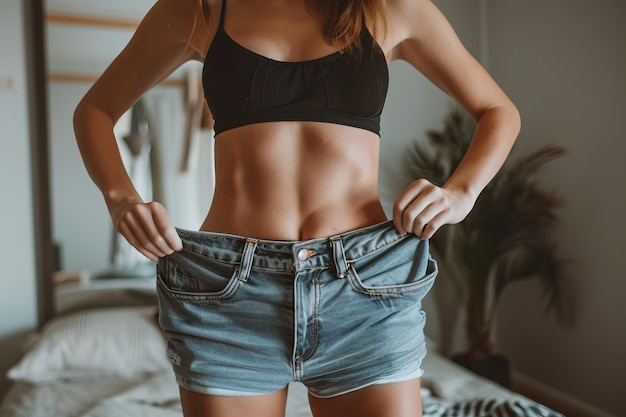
x=404, y=269
x=187, y=275
x=396, y=281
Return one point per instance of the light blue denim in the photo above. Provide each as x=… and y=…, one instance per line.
x=245, y=316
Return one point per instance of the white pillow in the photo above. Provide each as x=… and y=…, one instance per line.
x=112, y=341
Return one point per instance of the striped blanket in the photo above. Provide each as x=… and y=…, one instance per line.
x=487, y=407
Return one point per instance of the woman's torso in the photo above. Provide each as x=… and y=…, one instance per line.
x=289, y=180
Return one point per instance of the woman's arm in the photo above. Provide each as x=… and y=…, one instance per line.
x=425, y=39
x=168, y=36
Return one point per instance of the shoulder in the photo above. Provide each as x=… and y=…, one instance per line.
x=408, y=11
x=407, y=14
x=413, y=20
x=186, y=22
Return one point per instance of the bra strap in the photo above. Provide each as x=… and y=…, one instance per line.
x=222, y=14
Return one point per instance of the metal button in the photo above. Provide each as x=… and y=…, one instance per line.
x=304, y=254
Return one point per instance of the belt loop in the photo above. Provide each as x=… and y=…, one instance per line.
x=340, y=256
x=246, y=259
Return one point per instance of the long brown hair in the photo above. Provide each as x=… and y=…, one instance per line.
x=341, y=21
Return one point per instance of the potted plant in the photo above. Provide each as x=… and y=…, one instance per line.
x=507, y=237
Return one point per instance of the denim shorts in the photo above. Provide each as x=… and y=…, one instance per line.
x=245, y=316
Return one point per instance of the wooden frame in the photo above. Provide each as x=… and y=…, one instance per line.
x=90, y=79
x=76, y=19
x=90, y=21
x=40, y=170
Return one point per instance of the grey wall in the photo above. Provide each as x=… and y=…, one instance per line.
x=564, y=65
x=18, y=307
x=415, y=105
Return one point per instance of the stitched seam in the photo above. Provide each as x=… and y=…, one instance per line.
x=316, y=322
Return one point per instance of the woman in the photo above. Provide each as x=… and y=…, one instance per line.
x=296, y=274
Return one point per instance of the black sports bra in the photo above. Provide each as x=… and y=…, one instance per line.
x=242, y=87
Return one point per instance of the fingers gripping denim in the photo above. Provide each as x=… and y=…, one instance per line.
x=244, y=316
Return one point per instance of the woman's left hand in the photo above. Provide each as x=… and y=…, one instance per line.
x=424, y=207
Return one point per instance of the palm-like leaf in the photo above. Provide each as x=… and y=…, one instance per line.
x=508, y=235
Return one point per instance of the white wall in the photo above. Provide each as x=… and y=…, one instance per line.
x=77, y=205
x=18, y=307
x=564, y=64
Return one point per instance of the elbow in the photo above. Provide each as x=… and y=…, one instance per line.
x=79, y=114
x=82, y=113
x=79, y=119
x=514, y=122
x=89, y=118
x=505, y=115
x=515, y=118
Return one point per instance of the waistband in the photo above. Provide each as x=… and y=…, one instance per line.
x=292, y=255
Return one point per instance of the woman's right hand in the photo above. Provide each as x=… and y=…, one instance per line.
x=169, y=35
x=147, y=227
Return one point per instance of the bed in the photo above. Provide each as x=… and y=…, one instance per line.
x=104, y=356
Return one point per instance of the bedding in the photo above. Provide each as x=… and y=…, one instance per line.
x=111, y=292
x=110, y=341
x=111, y=361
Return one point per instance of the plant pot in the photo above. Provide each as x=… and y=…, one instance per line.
x=496, y=367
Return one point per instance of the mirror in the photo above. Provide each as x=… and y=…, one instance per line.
x=162, y=140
